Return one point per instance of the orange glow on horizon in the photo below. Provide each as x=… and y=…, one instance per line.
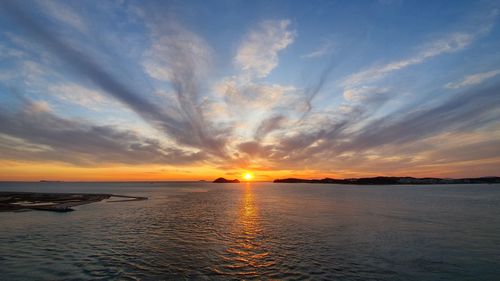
x=35, y=171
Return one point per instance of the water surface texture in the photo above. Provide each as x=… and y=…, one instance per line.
x=257, y=231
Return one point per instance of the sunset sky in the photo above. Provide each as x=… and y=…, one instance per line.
x=177, y=90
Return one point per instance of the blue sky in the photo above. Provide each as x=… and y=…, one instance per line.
x=339, y=88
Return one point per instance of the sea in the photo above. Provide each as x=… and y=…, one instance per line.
x=260, y=231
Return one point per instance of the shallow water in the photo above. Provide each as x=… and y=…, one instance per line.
x=257, y=231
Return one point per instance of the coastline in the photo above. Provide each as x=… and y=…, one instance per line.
x=393, y=181
x=55, y=202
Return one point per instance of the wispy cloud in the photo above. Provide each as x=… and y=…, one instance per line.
x=394, y=135
x=61, y=11
x=258, y=53
x=187, y=131
x=251, y=105
x=452, y=43
x=325, y=49
x=269, y=125
x=472, y=79
x=249, y=101
x=177, y=52
x=80, y=95
x=360, y=93
x=184, y=59
x=52, y=138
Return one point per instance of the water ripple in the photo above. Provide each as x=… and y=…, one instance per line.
x=260, y=231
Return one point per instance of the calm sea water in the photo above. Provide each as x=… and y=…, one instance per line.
x=258, y=231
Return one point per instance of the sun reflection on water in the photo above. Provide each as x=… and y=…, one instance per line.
x=248, y=254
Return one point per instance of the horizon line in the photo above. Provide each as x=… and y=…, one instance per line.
x=241, y=181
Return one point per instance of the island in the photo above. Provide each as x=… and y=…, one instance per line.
x=393, y=180
x=56, y=202
x=223, y=180
x=50, y=181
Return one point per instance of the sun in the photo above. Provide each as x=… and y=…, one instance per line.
x=248, y=176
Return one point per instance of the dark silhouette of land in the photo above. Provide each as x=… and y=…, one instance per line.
x=56, y=202
x=393, y=180
x=223, y=180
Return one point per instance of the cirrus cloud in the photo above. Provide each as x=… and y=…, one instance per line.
x=473, y=79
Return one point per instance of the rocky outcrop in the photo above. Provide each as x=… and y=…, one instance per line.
x=223, y=180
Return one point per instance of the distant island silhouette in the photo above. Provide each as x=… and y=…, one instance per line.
x=50, y=181
x=393, y=180
x=223, y=180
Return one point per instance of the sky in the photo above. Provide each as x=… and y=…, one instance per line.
x=190, y=90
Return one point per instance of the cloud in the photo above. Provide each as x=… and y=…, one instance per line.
x=31, y=71
x=462, y=152
x=269, y=125
x=470, y=110
x=241, y=120
x=297, y=144
x=312, y=90
x=254, y=96
x=60, y=11
x=189, y=131
x=80, y=95
x=38, y=107
x=36, y=134
x=358, y=94
x=253, y=107
x=325, y=49
x=6, y=52
x=251, y=148
x=177, y=53
x=184, y=59
x=250, y=102
x=258, y=53
x=473, y=79
x=315, y=135
x=452, y=43
x=396, y=141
